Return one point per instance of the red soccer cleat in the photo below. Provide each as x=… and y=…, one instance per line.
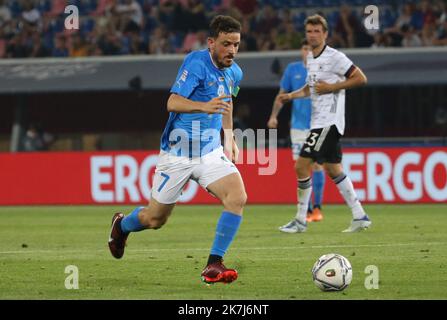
x=217, y=272
x=117, y=238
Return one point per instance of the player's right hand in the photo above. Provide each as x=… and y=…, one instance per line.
x=217, y=105
x=272, y=123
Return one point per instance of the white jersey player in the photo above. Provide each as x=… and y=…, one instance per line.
x=329, y=73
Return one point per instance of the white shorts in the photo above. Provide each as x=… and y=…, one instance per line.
x=298, y=138
x=172, y=173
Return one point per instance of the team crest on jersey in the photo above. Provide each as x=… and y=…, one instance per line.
x=220, y=90
x=221, y=79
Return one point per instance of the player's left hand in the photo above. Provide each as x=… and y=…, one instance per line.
x=322, y=87
x=235, y=152
x=231, y=150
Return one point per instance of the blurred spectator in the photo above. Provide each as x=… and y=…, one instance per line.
x=31, y=17
x=109, y=41
x=289, y=38
x=60, y=48
x=129, y=16
x=425, y=14
x=57, y=8
x=248, y=40
x=195, y=41
x=286, y=17
x=38, y=50
x=246, y=7
x=166, y=12
x=267, y=20
x=441, y=39
x=267, y=41
x=135, y=44
x=36, y=139
x=78, y=46
x=5, y=14
x=18, y=47
x=102, y=7
x=346, y=28
x=410, y=37
x=195, y=17
x=405, y=18
x=380, y=40
x=428, y=34
x=158, y=42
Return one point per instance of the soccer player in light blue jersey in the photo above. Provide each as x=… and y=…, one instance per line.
x=200, y=106
x=294, y=78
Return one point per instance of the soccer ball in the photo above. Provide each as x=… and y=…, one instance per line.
x=332, y=272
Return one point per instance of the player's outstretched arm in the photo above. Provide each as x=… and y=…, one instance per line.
x=356, y=78
x=276, y=108
x=179, y=104
x=300, y=93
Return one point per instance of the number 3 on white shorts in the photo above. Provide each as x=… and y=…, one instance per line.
x=166, y=178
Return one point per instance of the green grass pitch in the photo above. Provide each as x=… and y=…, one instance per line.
x=407, y=243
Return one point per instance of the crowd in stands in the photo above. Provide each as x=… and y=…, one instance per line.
x=35, y=28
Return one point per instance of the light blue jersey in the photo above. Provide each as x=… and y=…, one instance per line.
x=198, y=79
x=294, y=78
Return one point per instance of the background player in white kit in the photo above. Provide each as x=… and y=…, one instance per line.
x=330, y=72
x=294, y=78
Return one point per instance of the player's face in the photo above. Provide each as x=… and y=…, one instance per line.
x=315, y=35
x=224, y=48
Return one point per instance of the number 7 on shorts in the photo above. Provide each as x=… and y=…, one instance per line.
x=164, y=175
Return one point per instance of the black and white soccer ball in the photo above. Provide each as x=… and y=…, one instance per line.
x=332, y=272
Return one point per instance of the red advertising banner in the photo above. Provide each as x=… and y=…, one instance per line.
x=380, y=175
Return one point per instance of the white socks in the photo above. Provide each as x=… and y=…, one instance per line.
x=346, y=189
x=304, y=193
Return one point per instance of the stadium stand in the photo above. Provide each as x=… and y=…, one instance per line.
x=35, y=28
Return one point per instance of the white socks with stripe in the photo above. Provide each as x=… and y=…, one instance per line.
x=304, y=193
x=344, y=185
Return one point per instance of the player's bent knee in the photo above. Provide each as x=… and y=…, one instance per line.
x=302, y=171
x=242, y=199
x=333, y=171
x=235, y=201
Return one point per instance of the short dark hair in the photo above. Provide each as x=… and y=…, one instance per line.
x=224, y=24
x=316, y=19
